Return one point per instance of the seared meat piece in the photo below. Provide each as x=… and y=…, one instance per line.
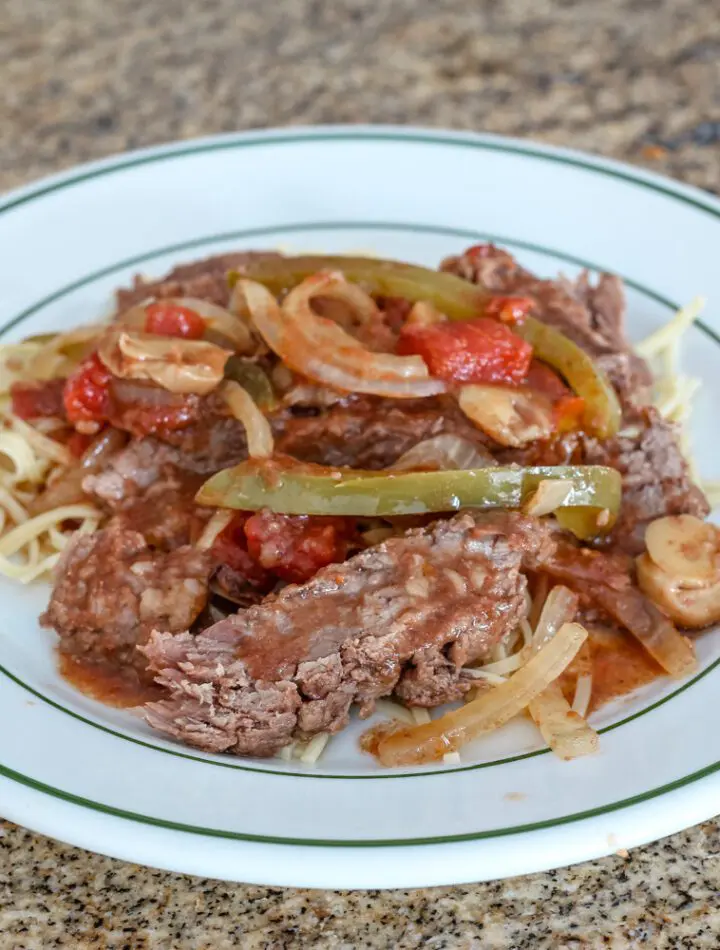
x=591, y=315
x=204, y=279
x=656, y=480
x=404, y=616
x=131, y=471
x=149, y=494
x=371, y=433
x=112, y=590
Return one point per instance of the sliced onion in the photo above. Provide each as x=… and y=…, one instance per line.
x=180, y=366
x=321, y=350
x=560, y=608
x=493, y=708
x=215, y=526
x=583, y=694
x=67, y=488
x=257, y=428
x=565, y=731
x=550, y=494
x=650, y=627
x=446, y=451
x=217, y=319
x=513, y=417
x=424, y=314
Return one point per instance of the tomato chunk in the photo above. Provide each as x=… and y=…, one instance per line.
x=230, y=548
x=512, y=310
x=86, y=394
x=568, y=413
x=295, y=547
x=568, y=408
x=469, y=351
x=545, y=380
x=36, y=400
x=171, y=319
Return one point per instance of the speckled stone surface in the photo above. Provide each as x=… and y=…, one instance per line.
x=634, y=79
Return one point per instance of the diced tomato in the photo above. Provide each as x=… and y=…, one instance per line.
x=545, y=380
x=231, y=549
x=79, y=442
x=512, y=310
x=568, y=408
x=295, y=547
x=170, y=319
x=36, y=400
x=568, y=413
x=469, y=351
x=480, y=251
x=86, y=394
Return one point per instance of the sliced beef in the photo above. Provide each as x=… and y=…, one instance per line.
x=205, y=279
x=112, y=590
x=606, y=585
x=655, y=476
x=404, y=616
x=592, y=315
x=149, y=494
x=131, y=471
x=369, y=432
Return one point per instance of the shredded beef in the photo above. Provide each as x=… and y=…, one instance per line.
x=655, y=477
x=112, y=590
x=404, y=616
x=591, y=315
x=206, y=279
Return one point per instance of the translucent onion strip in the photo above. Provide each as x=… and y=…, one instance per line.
x=493, y=708
x=564, y=730
x=257, y=428
x=321, y=350
x=215, y=526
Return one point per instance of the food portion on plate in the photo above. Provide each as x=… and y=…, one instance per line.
x=273, y=489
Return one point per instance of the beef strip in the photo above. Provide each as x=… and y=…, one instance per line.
x=206, y=279
x=606, y=585
x=655, y=476
x=591, y=315
x=372, y=433
x=112, y=590
x=148, y=493
x=402, y=617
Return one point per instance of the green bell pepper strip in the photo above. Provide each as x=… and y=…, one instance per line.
x=300, y=489
x=458, y=299
x=253, y=379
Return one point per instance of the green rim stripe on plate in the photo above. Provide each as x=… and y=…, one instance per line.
x=600, y=166
x=429, y=138
x=275, y=231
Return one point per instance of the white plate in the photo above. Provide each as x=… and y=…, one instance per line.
x=100, y=778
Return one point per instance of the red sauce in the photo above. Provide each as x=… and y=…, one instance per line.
x=618, y=665
x=111, y=685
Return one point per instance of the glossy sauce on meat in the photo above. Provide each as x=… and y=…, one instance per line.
x=111, y=684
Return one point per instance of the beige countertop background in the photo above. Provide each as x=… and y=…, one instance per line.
x=634, y=79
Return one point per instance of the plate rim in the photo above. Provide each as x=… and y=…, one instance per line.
x=77, y=175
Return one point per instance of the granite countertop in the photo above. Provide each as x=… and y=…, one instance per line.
x=634, y=79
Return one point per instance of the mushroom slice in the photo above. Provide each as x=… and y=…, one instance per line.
x=685, y=548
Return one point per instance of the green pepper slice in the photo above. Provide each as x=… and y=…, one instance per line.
x=294, y=488
x=458, y=299
x=253, y=379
